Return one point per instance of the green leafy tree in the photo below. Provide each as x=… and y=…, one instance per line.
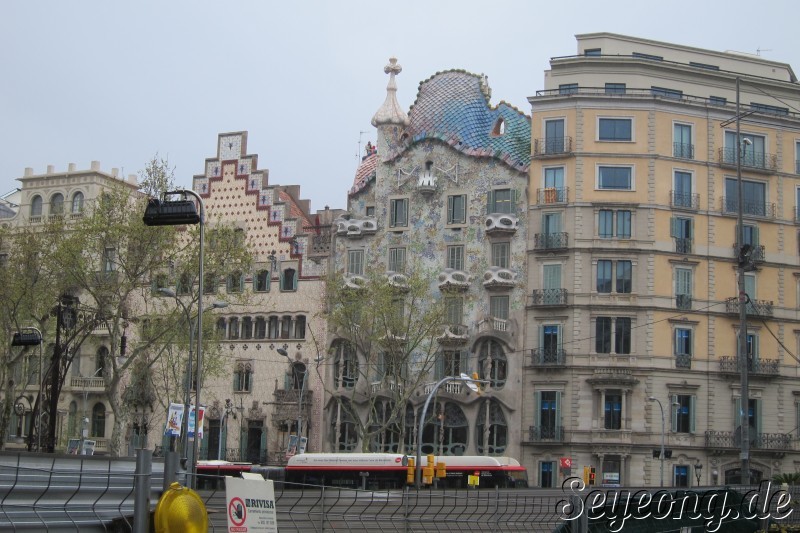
x=385, y=350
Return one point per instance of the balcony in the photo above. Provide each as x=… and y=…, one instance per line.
x=552, y=195
x=764, y=367
x=356, y=228
x=683, y=151
x=388, y=384
x=685, y=200
x=501, y=224
x=451, y=280
x=454, y=335
x=683, y=301
x=548, y=357
x=683, y=245
x=751, y=160
x=683, y=360
x=760, y=441
x=757, y=253
x=753, y=307
x=730, y=206
x=546, y=434
x=398, y=281
x=496, y=278
x=355, y=282
x=552, y=146
x=81, y=384
x=550, y=241
x=451, y=387
x=499, y=327
x=549, y=297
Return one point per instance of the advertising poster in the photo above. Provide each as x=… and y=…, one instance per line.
x=191, y=421
x=174, y=420
x=251, y=506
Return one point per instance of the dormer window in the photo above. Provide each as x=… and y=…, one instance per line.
x=499, y=127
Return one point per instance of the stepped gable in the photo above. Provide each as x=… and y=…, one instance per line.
x=453, y=107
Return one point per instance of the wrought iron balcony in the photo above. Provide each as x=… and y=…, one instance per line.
x=683, y=301
x=683, y=360
x=548, y=357
x=552, y=146
x=549, y=297
x=767, y=367
x=761, y=441
x=730, y=206
x=757, y=252
x=753, y=307
x=750, y=159
x=545, y=434
x=685, y=200
x=683, y=246
x=682, y=150
x=90, y=384
x=550, y=241
x=552, y=195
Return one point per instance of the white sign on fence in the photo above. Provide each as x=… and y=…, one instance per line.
x=251, y=505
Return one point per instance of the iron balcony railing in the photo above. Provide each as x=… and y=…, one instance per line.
x=683, y=360
x=750, y=159
x=685, y=200
x=730, y=206
x=682, y=150
x=761, y=441
x=683, y=246
x=552, y=195
x=548, y=357
x=683, y=301
x=768, y=367
x=552, y=146
x=550, y=241
x=757, y=252
x=549, y=297
x=545, y=433
x=754, y=307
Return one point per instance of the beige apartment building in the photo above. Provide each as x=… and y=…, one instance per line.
x=632, y=265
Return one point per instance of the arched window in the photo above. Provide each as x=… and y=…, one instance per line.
x=221, y=327
x=446, y=430
x=36, y=206
x=492, y=363
x=345, y=366
x=77, y=203
x=274, y=329
x=235, y=282
x=261, y=283
x=286, y=327
x=300, y=327
x=298, y=376
x=289, y=280
x=261, y=328
x=386, y=435
x=247, y=327
x=491, y=439
x=233, y=328
x=57, y=204
x=344, y=435
x=100, y=362
x=99, y=420
x=243, y=377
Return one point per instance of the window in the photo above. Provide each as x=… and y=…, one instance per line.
x=77, y=203
x=608, y=220
x=370, y=211
x=455, y=257
x=797, y=159
x=398, y=212
x=615, y=178
x=550, y=343
x=397, y=260
x=624, y=276
x=261, y=328
x=683, y=341
x=36, y=206
x=355, y=262
x=500, y=254
x=703, y=65
x=666, y=93
x=210, y=283
x=548, y=415
x=233, y=328
x=450, y=363
x=604, y=276
x=345, y=366
x=769, y=109
x=615, y=88
x=753, y=415
x=682, y=190
x=554, y=185
x=159, y=281
x=592, y=52
x=681, y=474
x=498, y=307
x=612, y=410
x=500, y=201
x=57, y=204
x=683, y=414
x=682, y=141
x=492, y=363
x=184, y=284
x=454, y=310
x=554, y=136
x=755, y=194
x=568, y=88
x=683, y=288
x=615, y=129
x=753, y=154
x=243, y=377
x=621, y=328
x=247, y=328
x=235, y=282
x=457, y=209
x=640, y=55
x=109, y=260
x=681, y=229
x=289, y=280
x=717, y=100
x=98, y=420
x=262, y=280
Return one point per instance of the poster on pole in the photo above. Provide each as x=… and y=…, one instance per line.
x=174, y=420
x=251, y=506
x=200, y=422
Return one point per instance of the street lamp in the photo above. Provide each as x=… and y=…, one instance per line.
x=674, y=404
x=698, y=469
x=284, y=353
x=471, y=383
x=188, y=381
x=31, y=336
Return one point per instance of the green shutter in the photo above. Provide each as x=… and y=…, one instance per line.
x=203, y=446
x=490, y=202
x=296, y=274
x=440, y=366
x=755, y=236
x=552, y=276
x=674, y=227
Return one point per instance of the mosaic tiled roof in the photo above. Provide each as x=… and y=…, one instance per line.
x=365, y=172
x=453, y=106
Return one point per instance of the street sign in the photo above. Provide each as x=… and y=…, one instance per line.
x=251, y=505
x=566, y=462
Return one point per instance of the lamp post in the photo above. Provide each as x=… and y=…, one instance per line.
x=471, y=382
x=299, y=398
x=698, y=469
x=188, y=381
x=654, y=399
x=178, y=213
x=31, y=336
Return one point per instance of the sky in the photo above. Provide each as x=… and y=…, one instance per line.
x=119, y=82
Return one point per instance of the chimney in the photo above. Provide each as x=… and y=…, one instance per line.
x=132, y=179
x=28, y=171
x=114, y=172
x=71, y=167
x=96, y=165
x=51, y=169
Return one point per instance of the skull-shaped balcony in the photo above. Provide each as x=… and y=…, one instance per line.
x=501, y=224
x=426, y=184
x=454, y=335
x=398, y=281
x=355, y=228
x=355, y=282
x=451, y=280
x=497, y=278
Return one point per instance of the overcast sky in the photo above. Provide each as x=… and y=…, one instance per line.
x=118, y=82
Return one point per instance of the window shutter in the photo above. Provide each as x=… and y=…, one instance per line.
x=755, y=236
x=380, y=367
x=673, y=413
x=513, y=197
x=294, y=281
x=737, y=413
x=450, y=209
x=558, y=412
x=237, y=381
x=440, y=365
x=490, y=202
x=757, y=415
x=203, y=447
x=674, y=230
x=552, y=276
x=692, y=428
x=691, y=229
x=538, y=410
x=280, y=280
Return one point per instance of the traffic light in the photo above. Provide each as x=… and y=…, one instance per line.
x=586, y=470
x=441, y=469
x=591, y=475
x=427, y=472
x=411, y=472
